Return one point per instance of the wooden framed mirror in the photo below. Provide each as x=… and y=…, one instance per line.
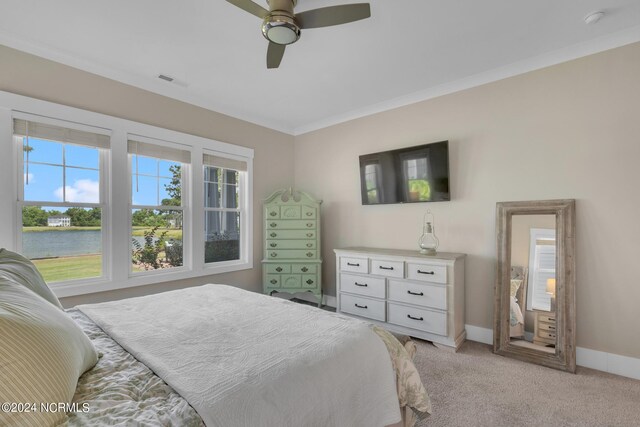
x=534, y=309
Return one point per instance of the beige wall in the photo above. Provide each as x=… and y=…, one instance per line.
x=568, y=131
x=32, y=76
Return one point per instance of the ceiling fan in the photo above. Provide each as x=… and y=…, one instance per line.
x=282, y=27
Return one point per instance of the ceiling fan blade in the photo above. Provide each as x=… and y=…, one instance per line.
x=275, y=52
x=333, y=15
x=251, y=7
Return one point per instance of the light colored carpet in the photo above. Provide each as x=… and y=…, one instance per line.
x=475, y=387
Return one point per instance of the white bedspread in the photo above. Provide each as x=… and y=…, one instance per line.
x=245, y=359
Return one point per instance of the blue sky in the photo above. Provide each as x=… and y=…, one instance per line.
x=82, y=185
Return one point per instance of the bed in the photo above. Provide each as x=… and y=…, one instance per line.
x=518, y=296
x=212, y=355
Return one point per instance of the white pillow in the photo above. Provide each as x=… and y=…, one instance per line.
x=42, y=354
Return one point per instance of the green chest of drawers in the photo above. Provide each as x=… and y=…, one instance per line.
x=292, y=260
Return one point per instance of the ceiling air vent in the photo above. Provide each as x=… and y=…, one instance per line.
x=165, y=77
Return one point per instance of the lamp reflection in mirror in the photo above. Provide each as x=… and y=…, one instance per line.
x=551, y=290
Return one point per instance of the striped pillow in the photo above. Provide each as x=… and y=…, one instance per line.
x=18, y=268
x=42, y=355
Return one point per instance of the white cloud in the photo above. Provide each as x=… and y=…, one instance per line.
x=32, y=178
x=82, y=191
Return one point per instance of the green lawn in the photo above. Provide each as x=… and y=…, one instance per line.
x=69, y=268
x=172, y=233
x=45, y=228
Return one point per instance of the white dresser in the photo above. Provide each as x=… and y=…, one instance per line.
x=405, y=292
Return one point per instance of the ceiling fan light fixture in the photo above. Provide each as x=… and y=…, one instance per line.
x=280, y=29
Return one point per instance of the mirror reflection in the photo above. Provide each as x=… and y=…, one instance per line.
x=532, y=317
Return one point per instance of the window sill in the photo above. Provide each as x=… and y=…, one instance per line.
x=91, y=286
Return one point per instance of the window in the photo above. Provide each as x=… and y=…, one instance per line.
x=85, y=186
x=372, y=180
x=61, y=199
x=157, y=207
x=224, y=210
x=542, y=267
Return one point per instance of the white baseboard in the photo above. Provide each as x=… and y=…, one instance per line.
x=594, y=359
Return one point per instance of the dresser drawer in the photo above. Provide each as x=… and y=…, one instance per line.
x=290, y=244
x=547, y=318
x=278, y=268
x=295, y=224
x=422, y=319
x=273, y=280
x=272, y=212
x=304, y=268
x=308, y=212
x=355, y=265
x=291, y=254
x=309, y=281
x=363, y=285
x=290, y=212
x=434, y=296
x=290, y=280
x=291, y=234
x=387, y=268
x=546, y=335
x=427, y=272
x=362, y=306
x=548, y=327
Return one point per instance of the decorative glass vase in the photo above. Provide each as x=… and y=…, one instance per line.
x=428, y=242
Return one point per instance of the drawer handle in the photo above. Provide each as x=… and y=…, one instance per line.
x=309, y=254
x=309, y=224
x=273, y=213
x=353, y=265
x=364, y=285
x=304, y=269
x=310, y=282
x=309, y=234
x=415, y=318
x=274, y=254
x=426, y=272
x=361, y=306
x=552, y=319
x=382, y=267
x=551, y=328
x=273, y=245
x=274, y=281
x=416, y=293
x=273, y=234
x=309, y=245
x=278, y=269
x=273, y=224
x=309, y=213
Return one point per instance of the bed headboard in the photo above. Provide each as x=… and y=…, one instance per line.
x=520, y=273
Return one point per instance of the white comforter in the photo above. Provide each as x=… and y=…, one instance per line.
x=245, y=359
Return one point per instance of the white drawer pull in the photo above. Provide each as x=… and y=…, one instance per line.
x=426, y=272
x=353, y=265
x=361, y=306
x=415, y=318
x=364, y=285
x=382, y=267
x=416, y=293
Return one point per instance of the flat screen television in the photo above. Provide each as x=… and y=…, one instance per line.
x=407, y=175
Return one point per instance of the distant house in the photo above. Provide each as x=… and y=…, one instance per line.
x=59, y=221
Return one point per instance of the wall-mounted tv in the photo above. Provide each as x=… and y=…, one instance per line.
x=407, y=175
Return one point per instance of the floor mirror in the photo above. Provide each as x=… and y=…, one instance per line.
x=534, y=310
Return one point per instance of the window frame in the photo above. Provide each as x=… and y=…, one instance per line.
x=103, y=169
x=243, y=208
x=535, y=235
x=116, y=217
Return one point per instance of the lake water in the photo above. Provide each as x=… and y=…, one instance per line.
x=43, y=244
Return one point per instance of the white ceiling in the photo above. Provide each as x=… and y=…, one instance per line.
x=407, y=51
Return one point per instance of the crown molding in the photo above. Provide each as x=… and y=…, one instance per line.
x=610, y=41
x=149, y=83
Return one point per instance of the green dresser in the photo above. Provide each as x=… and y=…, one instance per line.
x=292, y=260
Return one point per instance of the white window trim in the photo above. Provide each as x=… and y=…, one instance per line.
x=118, y=202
